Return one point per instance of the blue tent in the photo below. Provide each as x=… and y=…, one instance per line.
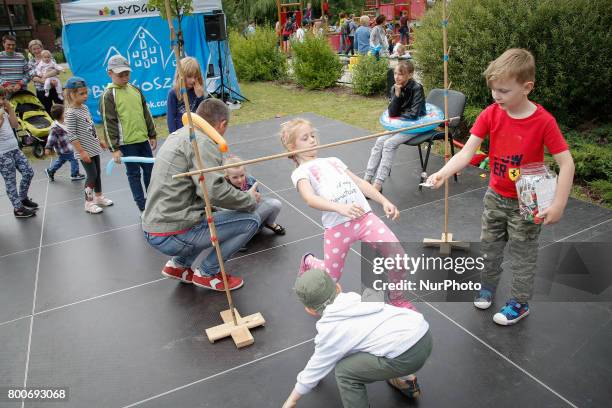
x=96, y=30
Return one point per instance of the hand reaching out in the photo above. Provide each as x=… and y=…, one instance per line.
x=117, y=156
x=351, y=211
x=253, y=191
x=391, y=211
x=436, y=180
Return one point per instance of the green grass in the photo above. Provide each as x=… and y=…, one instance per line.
x=269, y=100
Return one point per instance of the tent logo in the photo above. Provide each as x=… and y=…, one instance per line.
x=106, y=12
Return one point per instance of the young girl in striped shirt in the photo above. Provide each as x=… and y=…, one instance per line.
x=87, y=146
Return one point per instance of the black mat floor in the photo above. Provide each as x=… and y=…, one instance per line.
x=83, y=304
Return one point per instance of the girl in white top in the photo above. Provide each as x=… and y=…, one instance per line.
x=328, y=185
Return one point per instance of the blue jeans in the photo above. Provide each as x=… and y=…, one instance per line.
x=404, y=35
x=63, y=158
x=234, y=230
x=132, y=170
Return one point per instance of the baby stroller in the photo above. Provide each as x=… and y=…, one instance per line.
x=34, y=121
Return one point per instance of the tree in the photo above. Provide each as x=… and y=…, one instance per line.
x=238, y=11
x=178, y=9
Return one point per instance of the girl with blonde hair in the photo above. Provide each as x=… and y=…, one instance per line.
x=326, y=184
x=196, y=93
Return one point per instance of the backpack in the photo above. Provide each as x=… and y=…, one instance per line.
x=346, y=28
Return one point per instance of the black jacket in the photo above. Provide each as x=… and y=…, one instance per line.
x=411, y=102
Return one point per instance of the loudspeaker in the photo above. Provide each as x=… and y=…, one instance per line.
x=214, y=24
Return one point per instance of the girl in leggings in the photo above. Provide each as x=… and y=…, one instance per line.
x=326, y=184
x=87, y=146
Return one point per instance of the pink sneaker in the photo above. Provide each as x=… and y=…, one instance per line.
x=171, y=270
x=92, y=208
x=305, y=263
x=102, y=201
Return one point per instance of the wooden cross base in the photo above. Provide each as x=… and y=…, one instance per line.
x=240, y=334
x=446, y=244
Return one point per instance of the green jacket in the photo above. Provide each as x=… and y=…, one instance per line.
x=178, y=204
x=126, y=116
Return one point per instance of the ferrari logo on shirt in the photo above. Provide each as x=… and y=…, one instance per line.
x=514, y=173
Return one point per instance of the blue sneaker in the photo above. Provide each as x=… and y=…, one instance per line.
x=511, y=313
x=483, y=299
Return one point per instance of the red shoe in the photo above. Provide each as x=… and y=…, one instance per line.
x=171, y=270
x=215, y=282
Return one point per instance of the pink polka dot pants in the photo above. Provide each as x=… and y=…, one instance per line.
x=368, y=228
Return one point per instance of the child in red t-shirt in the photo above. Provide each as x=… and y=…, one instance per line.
x=518, y=131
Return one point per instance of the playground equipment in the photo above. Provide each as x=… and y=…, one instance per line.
x=392, y=9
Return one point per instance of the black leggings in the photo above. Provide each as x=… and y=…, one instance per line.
x=93, y=174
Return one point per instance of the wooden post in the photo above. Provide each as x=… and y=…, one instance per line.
x=231, y=316
x=446, y=242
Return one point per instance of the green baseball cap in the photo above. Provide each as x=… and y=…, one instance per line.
x=316, y=289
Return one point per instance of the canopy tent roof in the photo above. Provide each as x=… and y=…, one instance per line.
x=87, y=11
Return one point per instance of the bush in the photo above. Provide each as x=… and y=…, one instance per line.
x=470, y=114
x=257, y=58
x=370, y=76
x=569, y=39
x=593, y=162
x=315, y=64
x=603, y=190
x=59, y=57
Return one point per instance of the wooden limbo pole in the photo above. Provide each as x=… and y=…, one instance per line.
x=445, y=243
x=309, y=149
x=233, y=324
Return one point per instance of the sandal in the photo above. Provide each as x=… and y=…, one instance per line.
x=276, y=228
x=410, y=388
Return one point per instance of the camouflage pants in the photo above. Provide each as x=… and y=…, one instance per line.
x=501, y=224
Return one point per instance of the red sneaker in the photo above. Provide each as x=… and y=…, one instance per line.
x=171, y=270
x=215, y=282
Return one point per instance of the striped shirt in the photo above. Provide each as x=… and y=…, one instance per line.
x=80, y=127
x=13, y=68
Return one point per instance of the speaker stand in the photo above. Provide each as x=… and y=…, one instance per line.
x=222, y=88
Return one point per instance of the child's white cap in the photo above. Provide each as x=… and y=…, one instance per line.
x=118, y=64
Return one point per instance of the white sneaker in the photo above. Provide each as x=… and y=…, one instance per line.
x=92, y=208
x=103, y=201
